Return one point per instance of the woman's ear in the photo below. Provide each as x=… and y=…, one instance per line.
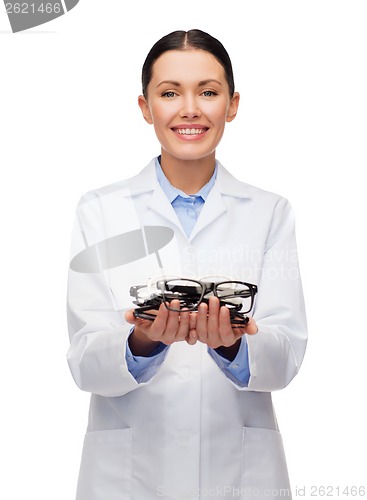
x=143, y=104
x=233, y=107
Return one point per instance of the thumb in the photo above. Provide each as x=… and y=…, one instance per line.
x=251, y=327
x=129, y=316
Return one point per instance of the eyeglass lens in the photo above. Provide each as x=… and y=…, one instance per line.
x=188, y=292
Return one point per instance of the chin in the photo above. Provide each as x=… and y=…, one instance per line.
x=188, y=155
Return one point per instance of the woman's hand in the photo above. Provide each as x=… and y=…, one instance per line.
x=168, y=327
x=213, y=327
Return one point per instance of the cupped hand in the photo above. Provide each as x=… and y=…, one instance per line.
x=168, y=327
x=214, y=328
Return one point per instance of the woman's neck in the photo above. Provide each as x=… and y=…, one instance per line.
x=188, y=175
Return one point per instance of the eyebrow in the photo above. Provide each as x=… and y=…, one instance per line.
x=177, y=84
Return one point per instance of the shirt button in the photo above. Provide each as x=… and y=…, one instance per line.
x=235, y=366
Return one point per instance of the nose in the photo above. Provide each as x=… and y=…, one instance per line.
x=190, y=107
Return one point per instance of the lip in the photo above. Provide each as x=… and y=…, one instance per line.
x=190, y=137
x=190, y=125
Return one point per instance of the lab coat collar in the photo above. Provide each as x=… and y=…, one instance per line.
x=225, y=183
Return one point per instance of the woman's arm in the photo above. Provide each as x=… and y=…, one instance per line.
x=277, y=350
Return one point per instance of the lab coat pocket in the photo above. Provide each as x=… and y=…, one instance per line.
x=264, y=468
x=105, y=470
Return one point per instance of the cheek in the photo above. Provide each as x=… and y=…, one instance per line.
x=217, y=114
x=162, y=113
x=156, y=114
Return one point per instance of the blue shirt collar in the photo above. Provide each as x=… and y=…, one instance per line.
x=173, y=192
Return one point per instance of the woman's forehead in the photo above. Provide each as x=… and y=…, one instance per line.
x=187, y=65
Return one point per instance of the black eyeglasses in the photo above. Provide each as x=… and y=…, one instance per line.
x=191, y=293
x=238, y=296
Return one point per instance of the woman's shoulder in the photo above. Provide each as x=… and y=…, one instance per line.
x=136, y=184
x=232, y=186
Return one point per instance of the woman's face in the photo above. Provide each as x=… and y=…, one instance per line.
x=188, y=103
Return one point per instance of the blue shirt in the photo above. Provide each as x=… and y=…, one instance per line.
x=187, y=208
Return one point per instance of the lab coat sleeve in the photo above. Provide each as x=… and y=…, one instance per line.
x=98, y=331
x=276, y=351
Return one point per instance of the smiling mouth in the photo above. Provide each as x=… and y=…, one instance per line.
x=190, y=131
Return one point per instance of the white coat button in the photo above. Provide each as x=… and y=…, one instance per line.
x=184, y=373
x=183, y=437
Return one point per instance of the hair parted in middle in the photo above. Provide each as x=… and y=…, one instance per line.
x=186, y=40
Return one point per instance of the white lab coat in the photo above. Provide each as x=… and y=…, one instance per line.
x=189, y=432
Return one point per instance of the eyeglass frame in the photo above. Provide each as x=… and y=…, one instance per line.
x=207, y=287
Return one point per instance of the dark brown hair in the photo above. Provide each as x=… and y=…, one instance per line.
x=183, y=40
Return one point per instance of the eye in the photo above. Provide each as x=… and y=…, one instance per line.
x=169, y=94
x=209, y=93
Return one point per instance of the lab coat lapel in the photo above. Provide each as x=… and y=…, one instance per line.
x=161, y=205
x=146, y=182
x=213, y=208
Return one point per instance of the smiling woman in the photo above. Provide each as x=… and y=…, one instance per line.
x=181, y=396
x=188, y=100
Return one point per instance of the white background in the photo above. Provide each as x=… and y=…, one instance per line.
x=69, y=122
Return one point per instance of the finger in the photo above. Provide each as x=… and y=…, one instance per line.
x=213, y=339
x=192, y=337
x=251, y=327
x=143, y=324
x=227, y=335
x=159, y=324
x=172, y=324
x=213, y=317
x=193, y=319
x=201, y=323
x=183, y=326
x=129, y=316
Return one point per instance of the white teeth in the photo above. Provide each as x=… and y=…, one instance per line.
x=190, y=131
